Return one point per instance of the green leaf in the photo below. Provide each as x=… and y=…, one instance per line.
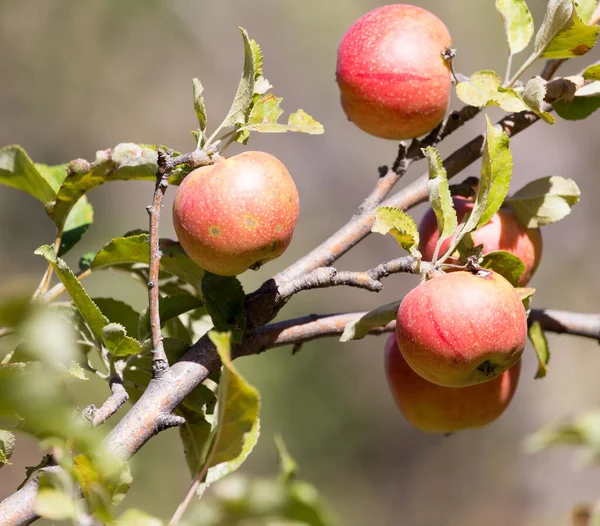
x=7, y=446
x=54, y=504
x=540, y=344
x=14, y=307
x=544, y=201
x=484, y=89
x=195, y=434
x=379, y=317
x=135, y=249
x=585, y=9
x=236, y=426
x=563, y=34
x=593, y=72
x=265, y=113
x=504, y=263
x=113, y=334
x=526, y=295
x=119, y=312
x=78, y=221
x=440, y=198
x=199, y=103
x=18, y=171
x=287, y=465
x=135, y=517
x=400, y=225
x=76, y=371
x=224, y=300
x=242, y=101
x=580, y=108
x=533, y=96
x=518, y=23
x=169, y=307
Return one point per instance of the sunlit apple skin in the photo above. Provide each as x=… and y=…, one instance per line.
x=236, y=214
x=393, y=80
x=503, y=232
x=462, y=328
x=436, y=409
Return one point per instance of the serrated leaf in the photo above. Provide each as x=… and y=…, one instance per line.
x=54, y=504
x=562, y=33
x=76, y=371
x=7, y=446
x=400, y=225
x=199, y=107
x=113, y=335
x=236, y=426
x=300, y=121
x=224, y=300
x=78, y=221
x=518, y=23
x=592, y=73
x=379, y=317
x=117, y=342
x=135, y=517
x=544, y=201
x=119, y=312
x=504, y=263
x=242, y=101
x=265, y=113
x=439, y=197
x=168, y=307
x=484, y=89
x=534, y=94
x=135, y=249
x=540, y=344
x=18, y=171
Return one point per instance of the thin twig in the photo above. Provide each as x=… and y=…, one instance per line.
x=119, y=396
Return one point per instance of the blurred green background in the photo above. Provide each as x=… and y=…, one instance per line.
x=77, y=77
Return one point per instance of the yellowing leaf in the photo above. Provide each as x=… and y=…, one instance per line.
x=400, y=225
x=518, y=23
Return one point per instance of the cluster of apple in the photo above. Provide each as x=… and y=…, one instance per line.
x=454, y=360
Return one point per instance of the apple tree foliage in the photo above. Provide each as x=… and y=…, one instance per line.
x=58, y=342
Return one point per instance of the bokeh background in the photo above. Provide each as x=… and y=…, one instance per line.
x=77, y=77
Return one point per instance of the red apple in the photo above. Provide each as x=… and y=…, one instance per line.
x=462, y=328
x=436, y=409
x=503, y=232
x=236, y=214
x=393, y=80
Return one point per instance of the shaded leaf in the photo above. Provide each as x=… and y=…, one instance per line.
x=135, y=249
x=195, y=434
x=562, y=33
x=526, y=295
x=119, y=312
x=400, y=225
x=540, y=344
x=544, y=201
x=224, y=300
x=379, y=317
x=7, y=446
x=168, y=307
x=580, y=108
x=236, y=426
x=534, y=94
x=518, y=23
x=117, y=342
x=18, y=171
x=287, y=465
x=504, y=263
x=439, y=197
x=78, y=221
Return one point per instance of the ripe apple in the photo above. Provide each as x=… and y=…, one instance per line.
x=503, y=232
x=436, y=409
x=393, y=80
x=236, y=214
x=462, y=328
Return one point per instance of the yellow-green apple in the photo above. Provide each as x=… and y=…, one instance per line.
x=462, y=328
x=503, y=232
x=436, y=409
x=393, y=80
x=236, y=214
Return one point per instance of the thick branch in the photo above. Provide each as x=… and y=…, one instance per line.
x=565, y=322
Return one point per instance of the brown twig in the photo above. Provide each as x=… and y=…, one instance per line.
x=119, y=396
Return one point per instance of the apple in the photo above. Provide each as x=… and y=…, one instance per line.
x=236, y=214
x=436, y=409
x=393, y=80
x=462, y=328
x=503, y=232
